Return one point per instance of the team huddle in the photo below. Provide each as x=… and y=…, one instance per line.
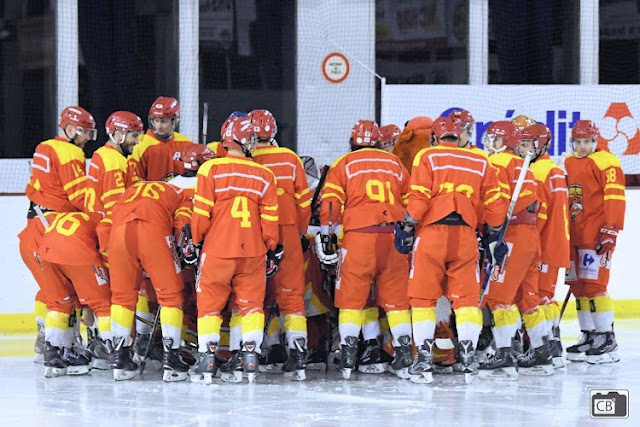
x=437, y=256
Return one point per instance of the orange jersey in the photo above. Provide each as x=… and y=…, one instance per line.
x=108, y=177
x=154, y=202
x=183, y=214
x=71, y=239
x=508, y=167
x=369, y=186
x=554, y=230
x=58, y=181
x=152, y=159
x=235, y=208
x=447, y=178
x=294, y=197
x=217, y=148
x=596, y=195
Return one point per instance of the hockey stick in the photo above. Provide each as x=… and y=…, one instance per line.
x=316, y=194
x=146, y=350
x=503, y=231
x=566, y=301
x=205, y=117
x=40, y=214
x=327, y=286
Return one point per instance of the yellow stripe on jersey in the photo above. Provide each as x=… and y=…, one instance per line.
x=199, y=198
x=202, y=212
x=76, y=181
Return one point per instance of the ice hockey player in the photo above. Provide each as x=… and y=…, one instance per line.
x=596, y=205
x=153, y=158
x=216, y=146
x=294, y=213
x=388, y=136
x=554, y=230
x=235, y=219
x=73, y=277
x=142, y=237
x=447, y=185
x=371, y=186
x=519, y=284
x=467, y=122
x=57, y=183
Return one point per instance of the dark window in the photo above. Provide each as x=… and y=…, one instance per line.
x=619, y=42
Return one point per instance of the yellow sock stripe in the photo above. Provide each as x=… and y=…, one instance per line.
x=40, y=309
x=350, y=316
x=384, y=324
x=370, y=315
x=603, y=304
x=398, y=317
x=502, y=317
x=468, y=314
x=236, y=320
x=142, y=306
x=583, y=304
x=183, y=332
x=551, y=311
x=295, y=322
x=122, y=316
x=224, y=339
x=422, y=314
x=274, y=326
x=171, y=316
x=532, y=320
x=104, y=323
x=252, y=322
x=209, y=325
x=57, y=320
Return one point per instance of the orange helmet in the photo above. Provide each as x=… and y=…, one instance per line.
x=521, y=121
x=195, y=155
x=465, y=118
x=123, y=121
x=388, y=134
x=584, y=129
x=445, y=126
x=264, y=124
x=502, y=129
x=238, y=133
x=365, y=133
x=80, y=118
x=541, y=136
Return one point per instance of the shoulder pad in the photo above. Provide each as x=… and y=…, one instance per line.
x=604, y=160
x=66, y=151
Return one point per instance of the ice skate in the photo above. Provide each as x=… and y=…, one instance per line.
x=484, y=349
x=502, y=362
x=273, y=360
x=577, y=352
x=123, y=367
x=536, y=361
x=78, y=360
x=348, y=356
x=317, y=358
x=296, y=364
x=205, y=369
x=518, y=343
x=231, y=371
x=466, y=359
x=402, y=358
x=54, y=364
x=174, y=366
x=38, y=346
x=370, y=360
x=250, y=360
x=421, y=371
x=154, y=357
x=100, y=350
x=604, y=349
x=555, y=348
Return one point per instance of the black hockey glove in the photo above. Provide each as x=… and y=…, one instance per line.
x=304, y=242
x=274, y=256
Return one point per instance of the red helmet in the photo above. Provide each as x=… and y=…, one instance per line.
x=264, y=124
x=238, y=133
x=123, y=121
x=79, y=117
x=505, y=130
x=445, y=126
x=584, y=129
x=165, y=108
x=389, y=134
x=195, y=155
x=540, y=134
x=365, y=133
x=464, y=117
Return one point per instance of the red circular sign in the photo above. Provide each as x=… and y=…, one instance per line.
x=335, y=67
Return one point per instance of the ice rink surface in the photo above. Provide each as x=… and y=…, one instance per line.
x=27, y=398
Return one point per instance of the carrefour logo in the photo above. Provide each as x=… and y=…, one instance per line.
x=587, y=260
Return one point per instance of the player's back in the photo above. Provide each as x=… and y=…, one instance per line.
x=75, y=230
x=371, y=183
x=153, y=202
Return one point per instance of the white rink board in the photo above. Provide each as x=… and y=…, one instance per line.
x=559, y=107
x=19, y=288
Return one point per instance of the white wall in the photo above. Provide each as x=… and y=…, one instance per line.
x=17, y=287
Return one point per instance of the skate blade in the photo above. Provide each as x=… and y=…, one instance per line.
x=151, y=364
x=297, y=375
x=233, y=377
x=423, y=378
x=510, y=373
x=611, y=357
x=374, y=368
x=271, y=368
x=577, y=357
x=316, y=366
x=401, y=373
x=558, y=362
x=541, y=370
x=38, y=358
x=442, y=369
x=346, y=373
x=469, y=377
x=251, y=377
x=206, y=378
x=100, y=364
x=51, y=372
x=123, y=375
x=171, y=376
x=78, y=370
